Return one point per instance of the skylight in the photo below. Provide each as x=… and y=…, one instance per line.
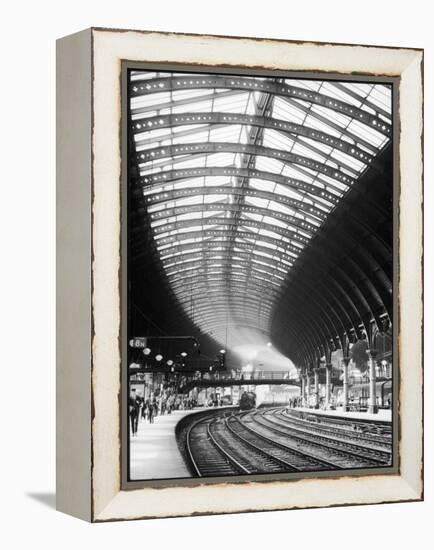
x=238, y=173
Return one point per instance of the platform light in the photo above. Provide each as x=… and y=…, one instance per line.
x=184, y=354
x=146, y=351
x=159, y=357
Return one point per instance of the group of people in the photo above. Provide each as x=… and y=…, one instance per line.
x=148, y=409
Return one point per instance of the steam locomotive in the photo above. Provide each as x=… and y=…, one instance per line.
x=247, y=401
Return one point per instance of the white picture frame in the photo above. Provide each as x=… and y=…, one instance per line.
x=88, y=270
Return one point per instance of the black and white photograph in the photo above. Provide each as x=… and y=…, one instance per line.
x=217, y=300
x=259, y=274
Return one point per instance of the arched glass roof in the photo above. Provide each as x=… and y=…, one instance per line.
x=236, y=175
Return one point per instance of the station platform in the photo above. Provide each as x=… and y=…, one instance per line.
x=154, y=452
x=383, y=415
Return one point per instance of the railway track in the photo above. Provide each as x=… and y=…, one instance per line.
x=377, y=432
x=253, y=457
x=380, y=441
x=216, y=448
x=208, y=458
x=345, y=453
x=298, y=460
x=268, y=441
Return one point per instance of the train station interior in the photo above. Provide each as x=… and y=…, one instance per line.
x=260, y=274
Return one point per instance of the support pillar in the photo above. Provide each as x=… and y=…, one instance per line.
x=345, y=363
x=328, y=384
x=372, y=403
x=307, y=390
x=316, y=387
x=303, y=392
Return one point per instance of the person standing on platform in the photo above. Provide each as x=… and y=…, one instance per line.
x=155, y=406
x=151, y=413
x=134, y=406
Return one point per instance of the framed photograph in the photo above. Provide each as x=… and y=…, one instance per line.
x=239, y=275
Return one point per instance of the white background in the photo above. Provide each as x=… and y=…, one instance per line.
x=27, y=229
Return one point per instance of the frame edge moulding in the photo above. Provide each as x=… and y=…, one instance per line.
x=89, y=259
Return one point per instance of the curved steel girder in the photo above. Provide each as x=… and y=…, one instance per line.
x=332, y=124
x=340, y=291
x=365, y=216
x=304, y=344
x=285, y=157
x=366, y=309
x=248, y=313
x=211, y=233
x=340, y=311
x=185, y=101
x=225, y=289
x=229, y=264
x=372, y=260
x=324, y=331
x=241, y=209
x=144, y=88
x=345, y=314
x=351, y=288
x=373, y=256
x=230, y=229
x=261, y=311
x=210, y=256
x=209, y=264
x=241, y=251
x=373, y=268
x=364, y=273
x=344, y=288
x=158, y=197
x=304, y=293
x=208, y=247
x=252, y=287
x=234, y=303
x=303, y=340
x=218, y=293
x=237, y=209
x=242, y=315
x=243, y=266
x=358, y=314
x=229, y=299
x=331, y=321
x=373, y=263
x=226, y=274
x=365, y=263
x=222, y=325
x=230, y=225
x=212, y=321
x=321, y=329
x=252, y=150
x=263, y=305
x=282, y=126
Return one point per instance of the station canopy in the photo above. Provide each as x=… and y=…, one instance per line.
x=237, y=175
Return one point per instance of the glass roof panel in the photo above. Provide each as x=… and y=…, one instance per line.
x=240, y=230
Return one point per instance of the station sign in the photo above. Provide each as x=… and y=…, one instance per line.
x=138, y=342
